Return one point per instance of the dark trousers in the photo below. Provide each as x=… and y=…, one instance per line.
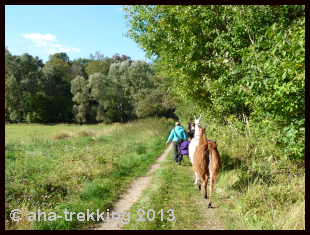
x=177, y=152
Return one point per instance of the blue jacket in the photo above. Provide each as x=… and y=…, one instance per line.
x=180, y=132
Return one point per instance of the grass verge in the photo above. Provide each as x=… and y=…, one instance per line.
x=260, y=187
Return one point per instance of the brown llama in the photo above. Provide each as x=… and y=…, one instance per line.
x=206, y=162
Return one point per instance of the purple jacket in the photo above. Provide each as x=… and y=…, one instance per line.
x=184, y=148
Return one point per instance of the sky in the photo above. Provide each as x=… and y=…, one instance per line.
x=76, y=30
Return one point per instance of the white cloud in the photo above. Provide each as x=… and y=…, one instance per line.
x=39, y=40
x=38, y=37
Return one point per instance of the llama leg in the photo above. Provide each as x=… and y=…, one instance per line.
x=196, y=180
x=205, y=186
x=207, y=178
x=199, y=185
x=211, y=190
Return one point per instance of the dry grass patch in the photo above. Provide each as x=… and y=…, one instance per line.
x=23, y=224
x=60, y=136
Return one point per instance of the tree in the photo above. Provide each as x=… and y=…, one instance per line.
x=80, y=90
x=98, y=64
x=120, y=93
x=98, y=85
x=22, y=75
x=76, y=70
x=57, y=82
x=62, y=55
x=151, y=103
x=220, y=57
x=118, y=59
x=82, y=62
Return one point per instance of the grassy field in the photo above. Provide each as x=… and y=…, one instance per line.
x=258, y=188
x=76, y=169
x=25, y=133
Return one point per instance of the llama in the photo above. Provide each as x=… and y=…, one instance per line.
x=189, y=130
x=189, y=124
x=206, y=162
x=194, y=143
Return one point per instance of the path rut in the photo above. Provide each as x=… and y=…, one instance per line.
x=132, y=195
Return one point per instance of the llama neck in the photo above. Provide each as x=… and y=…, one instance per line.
x=202, y=139
x=197, y=131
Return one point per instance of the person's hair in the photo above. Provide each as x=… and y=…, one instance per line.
x=189, y=135
x=177, y=124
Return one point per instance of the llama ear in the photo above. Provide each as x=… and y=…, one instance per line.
x=195, y=117
x=200, y=117
x=205, y=126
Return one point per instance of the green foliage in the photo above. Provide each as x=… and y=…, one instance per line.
x=80, y=89
x=22, y=75
x=83, y=90
x=61, y=70
x=117, y=58
x=81, y=63
x=39, y=111
x=62, y=56
x=246, y=61
x=98, y=84
x=98, y=64
x=152, y=104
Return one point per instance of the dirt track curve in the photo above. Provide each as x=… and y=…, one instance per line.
x=133, y=193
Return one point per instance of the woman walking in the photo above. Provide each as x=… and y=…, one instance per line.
x=177, y=133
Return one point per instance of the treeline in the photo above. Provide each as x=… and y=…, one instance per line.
x=98, y=89
x=231, y=63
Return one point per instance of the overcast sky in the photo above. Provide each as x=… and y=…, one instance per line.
x=76, y=30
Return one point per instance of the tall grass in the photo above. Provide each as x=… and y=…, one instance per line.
x=260, y=186
x=78, y=170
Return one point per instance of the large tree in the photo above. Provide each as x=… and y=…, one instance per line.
x=58, y=76
x=80, y=90
x=22, y=76
x=245, y=61
x=98, y=64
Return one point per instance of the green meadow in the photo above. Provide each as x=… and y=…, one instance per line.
x=88, y=167
x=75, y=168
x=25, y=133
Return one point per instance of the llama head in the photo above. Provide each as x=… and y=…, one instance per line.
x=202, y=131
x=197, y=125
x=212, y=145
x=197, y=121
x=189, y=125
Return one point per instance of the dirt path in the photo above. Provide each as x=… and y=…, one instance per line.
x=133, y=193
